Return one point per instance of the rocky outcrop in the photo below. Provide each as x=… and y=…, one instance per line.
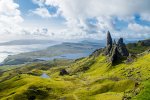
x=115, y=55
x=63, y=72
x=115, y=51
x=122, y=48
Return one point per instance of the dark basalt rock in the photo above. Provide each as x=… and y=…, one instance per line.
x=109, y=39
x=114, y=43
x=115, y=51
x=108, y=49
x=109, y=43
x=63, y=72
x=122, y=48
x=115, y=55
x=120, y=41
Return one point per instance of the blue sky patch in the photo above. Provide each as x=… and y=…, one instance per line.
x=138, y=20
x=52, y=9
x=119, y=24
x=26, y=5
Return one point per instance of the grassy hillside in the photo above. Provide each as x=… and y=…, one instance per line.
x=91, y=78
x=139, y=47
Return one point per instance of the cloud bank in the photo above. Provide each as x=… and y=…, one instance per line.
x=77, y=13
x=83, y=18
x=10, y=17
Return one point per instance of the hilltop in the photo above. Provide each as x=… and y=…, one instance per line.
x=95, y=77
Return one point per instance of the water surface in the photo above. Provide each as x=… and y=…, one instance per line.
x=6, y=50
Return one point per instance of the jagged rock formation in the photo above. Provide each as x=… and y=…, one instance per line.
x=115, y=55
x=122, y=48
x=115, y=51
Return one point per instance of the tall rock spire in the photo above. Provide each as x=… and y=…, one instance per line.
x=109, y=44
x=109, y=39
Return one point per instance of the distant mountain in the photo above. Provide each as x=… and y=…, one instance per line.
x=65, y=50
x=26, y=42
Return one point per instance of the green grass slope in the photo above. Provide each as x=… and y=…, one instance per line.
x=139, y=47
x=91, y=78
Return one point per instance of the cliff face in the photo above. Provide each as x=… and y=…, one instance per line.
x=115, y=51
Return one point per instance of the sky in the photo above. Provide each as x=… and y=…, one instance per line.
x=65, y=20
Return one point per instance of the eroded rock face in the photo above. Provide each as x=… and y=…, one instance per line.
x=115, y=55
x=115, y=51
x=109, y=39
x=108, y=50
x=109, y=44
x=122, y=48
x=114, y=43
x=120, y=41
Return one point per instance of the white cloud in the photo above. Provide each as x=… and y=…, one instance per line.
x=77, y=11
x=76, y=14
x=9, y=8
x=39, y=2
x=10, y=17
x=96, y=8
x=139, y=28
x=145, y=16
x=43, y=12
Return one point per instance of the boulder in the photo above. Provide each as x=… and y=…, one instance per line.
x=63, y=72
